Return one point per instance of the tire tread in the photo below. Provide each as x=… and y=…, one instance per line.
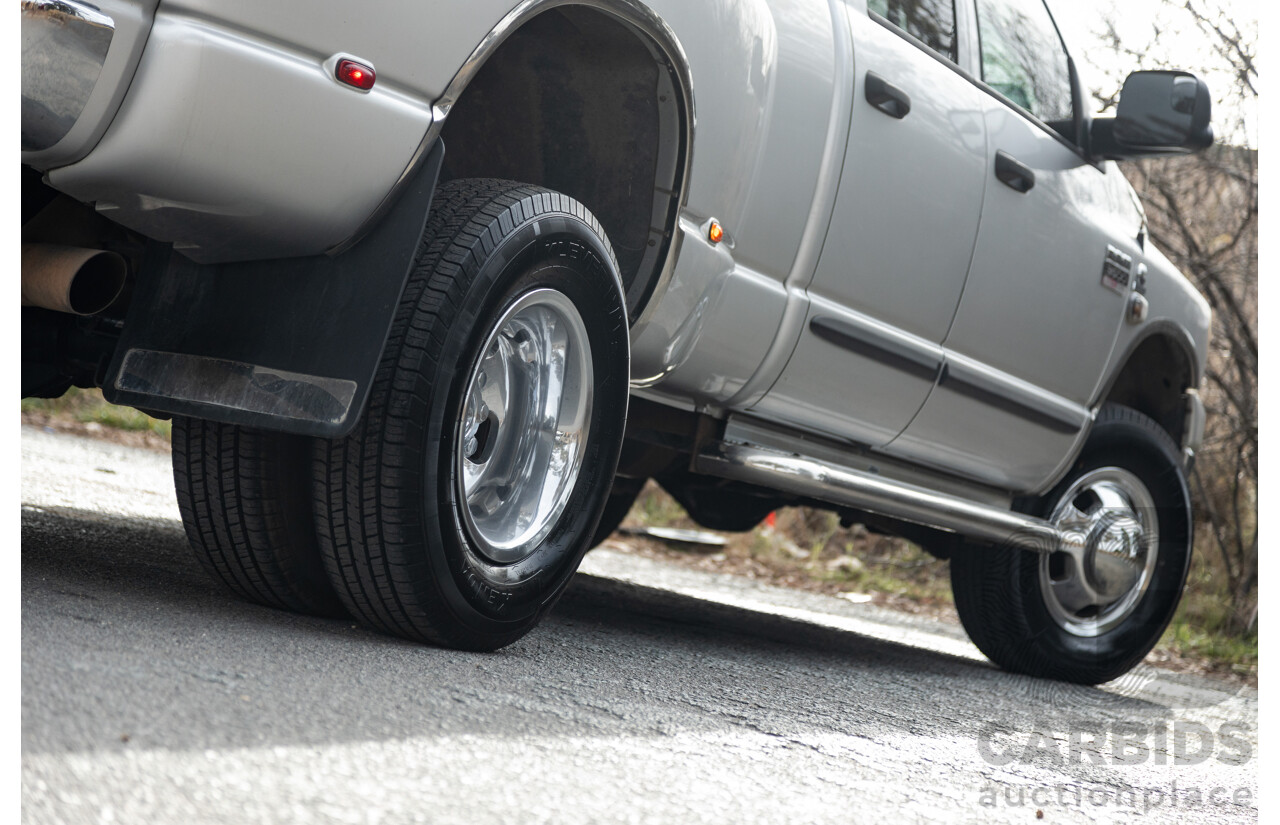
x=242, y=496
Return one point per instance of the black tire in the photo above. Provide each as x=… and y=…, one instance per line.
x=622, y=496
x=245, y=499
x=1015, y=618
x=400, y=550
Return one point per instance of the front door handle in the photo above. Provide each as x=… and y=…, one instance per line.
x=1016, y=176
x=887, y=97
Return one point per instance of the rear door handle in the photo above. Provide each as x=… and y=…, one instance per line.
x=887, y=97
x=1015, y=175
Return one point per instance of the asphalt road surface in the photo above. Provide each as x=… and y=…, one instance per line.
x=652, y=694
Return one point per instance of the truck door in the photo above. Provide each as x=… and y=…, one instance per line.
x=902, y=232
x=1050, y=275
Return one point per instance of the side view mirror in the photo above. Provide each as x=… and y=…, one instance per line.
x=1160, y=113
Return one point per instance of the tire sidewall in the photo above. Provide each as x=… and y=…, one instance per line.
x=561, y=252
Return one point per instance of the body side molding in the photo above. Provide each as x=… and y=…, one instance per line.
x=896, y=351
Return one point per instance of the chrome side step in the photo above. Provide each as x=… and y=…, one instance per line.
x=834, y=484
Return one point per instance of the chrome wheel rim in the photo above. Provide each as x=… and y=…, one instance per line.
x=525, y=420
x=1099, y=574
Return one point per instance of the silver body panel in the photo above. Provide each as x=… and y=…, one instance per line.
x=1034, y=321
x=847, y=232
x=233, y=147
x=897, y=249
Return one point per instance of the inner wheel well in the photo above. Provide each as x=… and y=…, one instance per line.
x=1153, y=381
x=579, y=101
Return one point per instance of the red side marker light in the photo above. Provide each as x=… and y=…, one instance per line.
x=355, y=74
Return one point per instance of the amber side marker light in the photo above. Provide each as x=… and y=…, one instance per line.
x=716, y=232
x=355, y=74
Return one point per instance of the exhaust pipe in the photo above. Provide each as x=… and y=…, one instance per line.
x=70, y=279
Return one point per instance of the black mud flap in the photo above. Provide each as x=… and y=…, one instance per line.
x=289, y=345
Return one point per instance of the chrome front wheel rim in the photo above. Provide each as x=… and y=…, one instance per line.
x=523, y=427
x=1107, y=559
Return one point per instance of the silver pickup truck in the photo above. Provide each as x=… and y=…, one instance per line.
x=431, y=289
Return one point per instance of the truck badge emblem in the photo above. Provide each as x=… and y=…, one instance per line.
x=1116, y=269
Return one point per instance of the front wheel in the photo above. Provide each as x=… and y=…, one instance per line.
x=460, y=506
x=1092, y=609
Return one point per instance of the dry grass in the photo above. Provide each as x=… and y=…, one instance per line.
x=86, y=412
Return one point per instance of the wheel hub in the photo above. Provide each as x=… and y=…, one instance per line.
x=1105, y=564
x=525, y=418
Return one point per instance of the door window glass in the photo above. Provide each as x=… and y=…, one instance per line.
x=933, y=22
x=1024, y=60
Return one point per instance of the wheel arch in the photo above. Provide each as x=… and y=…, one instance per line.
x=1154, y=375
x=534, y=104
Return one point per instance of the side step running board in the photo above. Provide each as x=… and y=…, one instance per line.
x=865, y=491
